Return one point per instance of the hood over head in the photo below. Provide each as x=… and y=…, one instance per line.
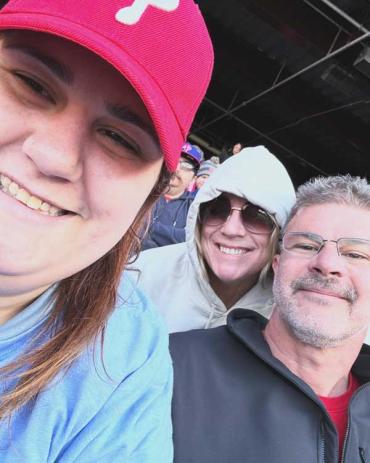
x=254, y=174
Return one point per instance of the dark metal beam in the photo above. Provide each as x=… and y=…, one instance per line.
x=231, y=112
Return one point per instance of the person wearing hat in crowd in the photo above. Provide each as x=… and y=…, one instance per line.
x=232, y=233
x=204, y=171
x=231, y=151
x=168, y=221
x=95, y=105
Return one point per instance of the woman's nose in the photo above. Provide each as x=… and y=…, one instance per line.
x=234, y=224
x=56, y=147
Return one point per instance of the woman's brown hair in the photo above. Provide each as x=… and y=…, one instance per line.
x=82, y=304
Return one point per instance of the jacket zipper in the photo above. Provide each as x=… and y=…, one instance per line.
x=361, y=450
x=345, y=441
x=322, y=443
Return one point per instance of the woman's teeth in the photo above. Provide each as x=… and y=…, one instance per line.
x=33, y=202
x=233, y=251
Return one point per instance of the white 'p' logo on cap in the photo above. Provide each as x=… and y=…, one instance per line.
x=132, y=14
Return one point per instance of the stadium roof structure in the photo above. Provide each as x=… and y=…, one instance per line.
x=292, y=75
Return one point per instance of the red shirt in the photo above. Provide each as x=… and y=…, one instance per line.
x=337, y=408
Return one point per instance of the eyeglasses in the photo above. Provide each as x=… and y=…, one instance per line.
x=186, y=165
x=354, y=250
x=254, y=219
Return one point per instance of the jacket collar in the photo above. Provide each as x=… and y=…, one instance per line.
x=247, y=326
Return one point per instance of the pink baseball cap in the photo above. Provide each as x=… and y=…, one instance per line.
x=162, y=47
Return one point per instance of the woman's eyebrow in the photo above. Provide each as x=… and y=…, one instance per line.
x=65, y=74
x=125, y=114
x=60, y=70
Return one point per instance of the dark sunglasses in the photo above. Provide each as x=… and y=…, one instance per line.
x=254, y=219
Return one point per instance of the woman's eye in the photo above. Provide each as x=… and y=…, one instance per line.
x=120, y=140
x=35, y=86
x=263, y=217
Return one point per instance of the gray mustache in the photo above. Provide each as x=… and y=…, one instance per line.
x=316, y=282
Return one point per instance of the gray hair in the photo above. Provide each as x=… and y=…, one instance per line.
x=338, y=189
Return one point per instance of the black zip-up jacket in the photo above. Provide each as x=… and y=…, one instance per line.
x=236, y=403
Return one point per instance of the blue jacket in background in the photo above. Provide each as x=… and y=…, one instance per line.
x=168, y=221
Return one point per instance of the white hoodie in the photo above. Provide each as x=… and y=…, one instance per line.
x=172, y=275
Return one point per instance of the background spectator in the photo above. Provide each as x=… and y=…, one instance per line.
x=229, y=151
x=237, y=148
x=205, y=170
x=169, y=214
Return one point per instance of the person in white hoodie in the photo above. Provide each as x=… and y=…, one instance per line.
x=232, y=233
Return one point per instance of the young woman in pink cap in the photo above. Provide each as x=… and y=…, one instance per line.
x=95, y=104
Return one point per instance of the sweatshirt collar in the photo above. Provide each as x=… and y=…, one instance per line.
x=27, y=319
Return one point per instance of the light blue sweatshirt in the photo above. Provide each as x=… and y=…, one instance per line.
x=86, y=416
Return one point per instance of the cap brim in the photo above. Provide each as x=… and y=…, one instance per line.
x=169, y=134
x=191, y=159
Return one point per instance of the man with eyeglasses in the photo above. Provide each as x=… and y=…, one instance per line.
x=295, y=388
x=168, y=221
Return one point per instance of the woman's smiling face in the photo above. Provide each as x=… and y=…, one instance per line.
x=234, y=255
x=78, y=158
